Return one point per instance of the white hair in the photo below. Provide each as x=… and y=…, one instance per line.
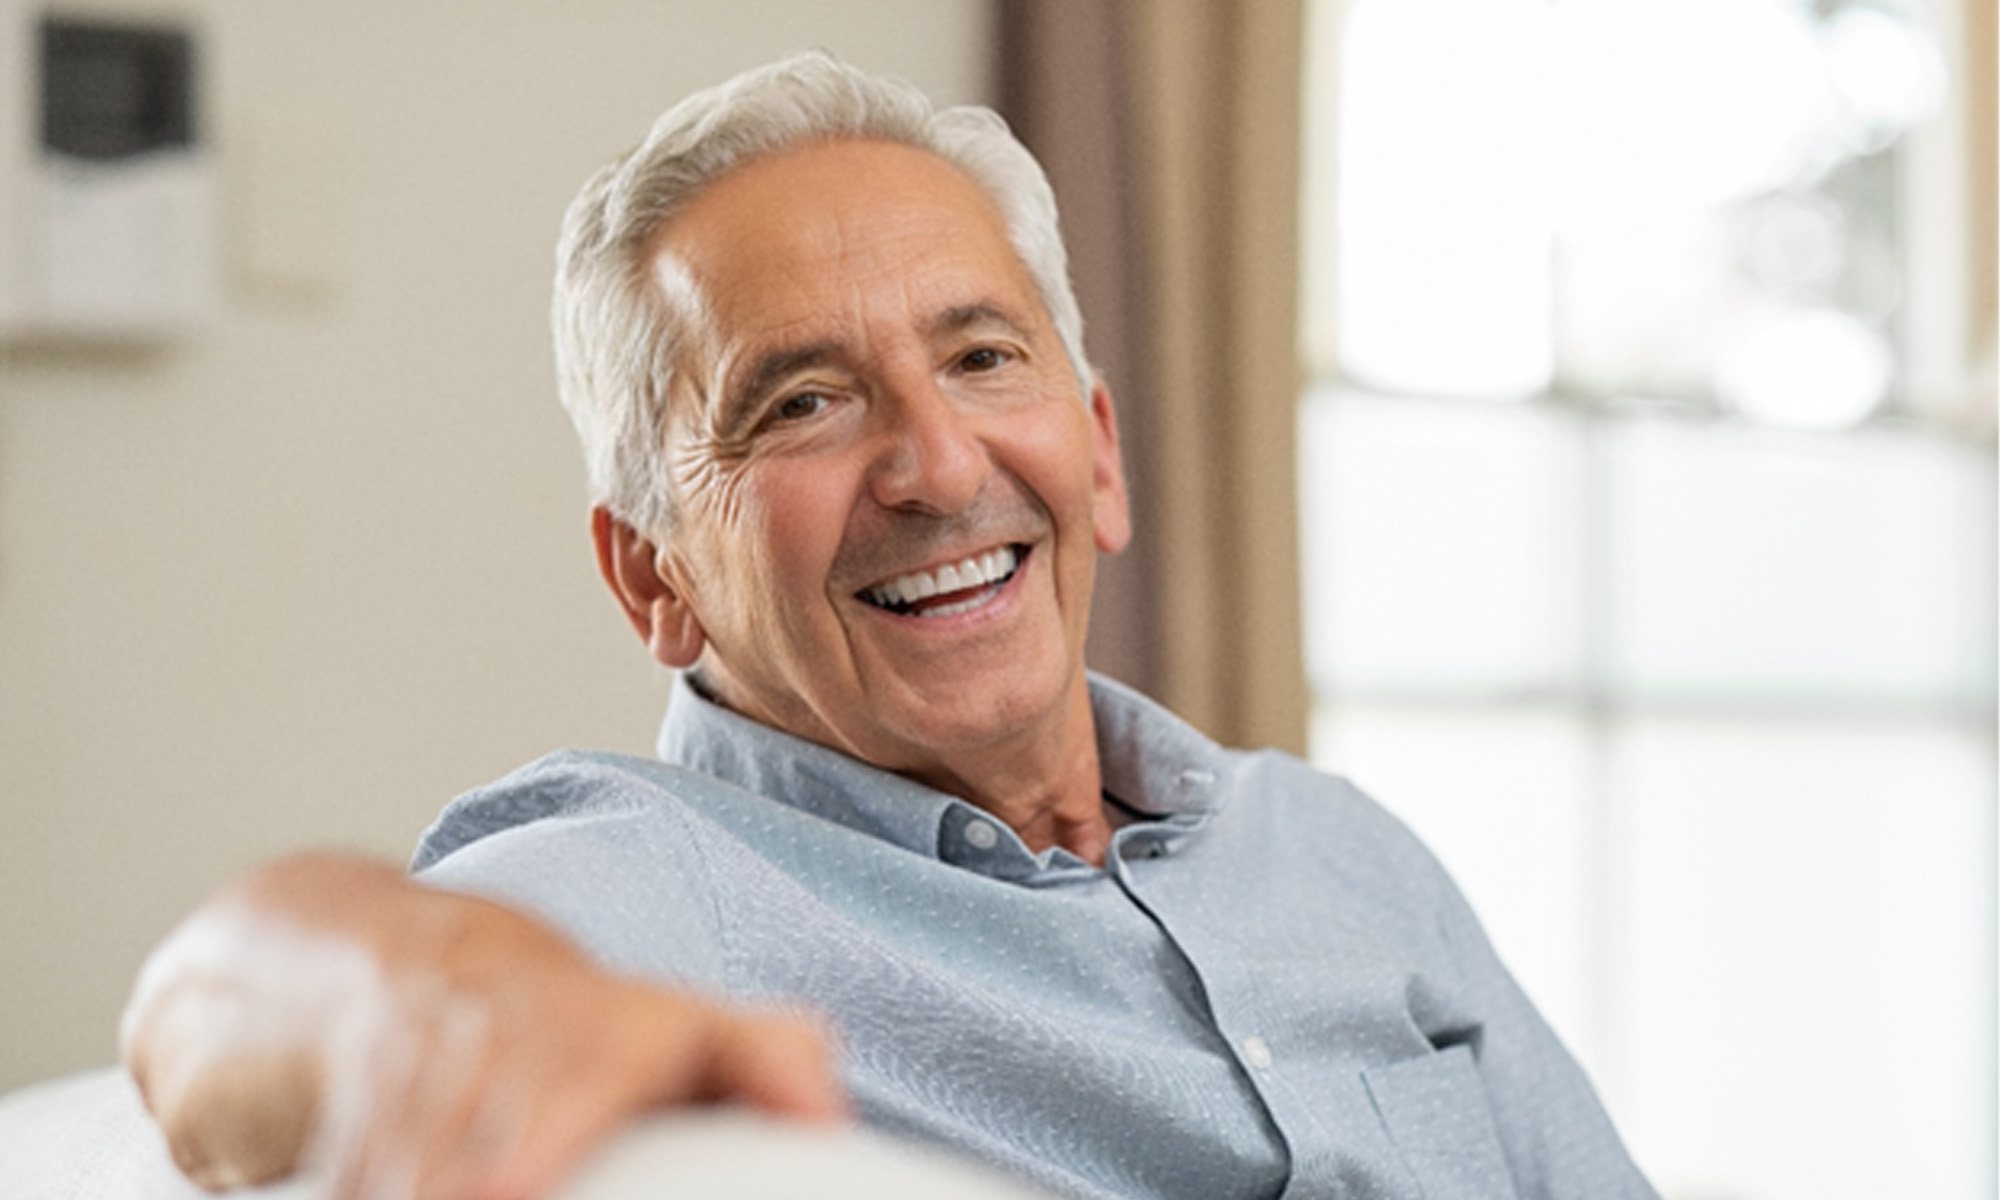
x=617, y=335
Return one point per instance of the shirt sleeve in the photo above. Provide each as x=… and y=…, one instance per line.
x=610, y=862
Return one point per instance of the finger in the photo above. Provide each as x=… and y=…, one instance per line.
x=544, y=1151
x=560, y=1096
x=668, y=1050
x=361, y=1148
x=415, y=1100
x=236, y=1125
x=782, y=1064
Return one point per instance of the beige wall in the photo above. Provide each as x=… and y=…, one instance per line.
x=301, y=578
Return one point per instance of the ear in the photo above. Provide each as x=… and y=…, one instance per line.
x=1111, y=510
x=659, y=612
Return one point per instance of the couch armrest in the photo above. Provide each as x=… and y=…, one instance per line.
x=88, y=1137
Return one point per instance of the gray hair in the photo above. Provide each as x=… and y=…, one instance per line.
x=617, y=335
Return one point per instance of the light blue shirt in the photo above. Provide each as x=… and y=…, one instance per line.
x=1270, y=988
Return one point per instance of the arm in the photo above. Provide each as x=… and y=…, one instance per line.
x=326, y=1012
x=1558, y=1137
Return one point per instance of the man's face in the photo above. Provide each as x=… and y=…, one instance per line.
x=875, y=408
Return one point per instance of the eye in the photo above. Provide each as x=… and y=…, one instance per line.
x=983, y=358
x=800, y=406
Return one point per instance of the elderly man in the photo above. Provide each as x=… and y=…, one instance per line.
x=853, y=472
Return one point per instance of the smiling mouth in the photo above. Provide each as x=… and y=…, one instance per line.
x=950, y=589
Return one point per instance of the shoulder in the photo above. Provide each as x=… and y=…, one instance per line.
x=1285, y=788
x=1322, y=822
x=610, y=849
x=566, y=786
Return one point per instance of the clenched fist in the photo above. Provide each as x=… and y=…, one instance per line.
x=326, y=1014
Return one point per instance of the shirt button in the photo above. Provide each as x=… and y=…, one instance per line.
x=1257, y=1053
x=981, y=836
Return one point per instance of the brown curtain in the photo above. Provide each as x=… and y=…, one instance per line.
x=1170, y=131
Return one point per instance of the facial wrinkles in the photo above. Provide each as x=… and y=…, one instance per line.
x=706, y=466
x=713, y=446
x=697, y=457
x=708, y=450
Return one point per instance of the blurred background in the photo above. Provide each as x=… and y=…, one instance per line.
x=1574, y=421
x=1665, y=331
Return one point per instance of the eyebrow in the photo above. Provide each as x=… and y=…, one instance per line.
x=771, y=370
x=960, y=317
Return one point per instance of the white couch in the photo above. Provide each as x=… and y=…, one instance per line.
x=86, y=1137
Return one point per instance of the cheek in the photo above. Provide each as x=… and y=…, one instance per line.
x=1052, y=455
x=789, y=524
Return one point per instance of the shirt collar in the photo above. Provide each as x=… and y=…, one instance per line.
x=1150, y=760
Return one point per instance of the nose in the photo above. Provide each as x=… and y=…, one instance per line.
x=932, y=458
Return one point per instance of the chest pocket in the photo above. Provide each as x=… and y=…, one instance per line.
x=1434, y=1110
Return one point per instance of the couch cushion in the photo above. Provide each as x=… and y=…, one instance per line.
x=87, y=1137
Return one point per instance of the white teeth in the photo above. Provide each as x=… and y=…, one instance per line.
x=956, y=607
x=984, y=569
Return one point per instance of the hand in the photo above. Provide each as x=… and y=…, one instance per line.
x=327, y=1014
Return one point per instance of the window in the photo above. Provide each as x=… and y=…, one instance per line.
x=1648, y=503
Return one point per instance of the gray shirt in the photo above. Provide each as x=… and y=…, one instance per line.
x=1269, y=989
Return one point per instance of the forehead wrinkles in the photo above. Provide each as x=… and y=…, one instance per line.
x=849, y=284
x=785, y=230
x=844, y=306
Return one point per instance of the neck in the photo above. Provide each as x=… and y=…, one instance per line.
x=1047, y=787
x=1042, y=780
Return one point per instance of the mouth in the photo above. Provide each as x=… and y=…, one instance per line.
x=948, y=590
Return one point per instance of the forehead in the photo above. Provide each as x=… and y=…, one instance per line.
x=811, y=240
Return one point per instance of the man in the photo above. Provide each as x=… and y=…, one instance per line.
x=853, y=472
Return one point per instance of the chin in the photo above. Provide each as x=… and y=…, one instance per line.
x=964, y=713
